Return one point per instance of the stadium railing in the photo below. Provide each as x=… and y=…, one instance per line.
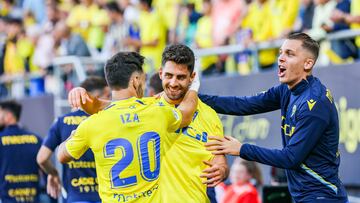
x=81, y=66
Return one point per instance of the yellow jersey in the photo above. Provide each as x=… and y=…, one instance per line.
x=355, y=10
x=259, y=20
x=204, y=39
x=128, y=144
x=151, y=29
x=183, y=163
x=284, y=14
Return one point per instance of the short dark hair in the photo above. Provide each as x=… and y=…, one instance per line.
x=94, y=83
x=120, y=67
x=179, y=54
x=114, y=7
x=156, y=83
x=147, y=2
x=307, y=42
x=13, y=107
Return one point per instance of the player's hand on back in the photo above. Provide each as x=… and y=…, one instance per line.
x=225, y=145
x=78, y=97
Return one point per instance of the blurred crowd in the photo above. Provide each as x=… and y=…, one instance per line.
x=33, y=33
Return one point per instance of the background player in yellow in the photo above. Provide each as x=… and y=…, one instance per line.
x=182, y=168
x=126, y=139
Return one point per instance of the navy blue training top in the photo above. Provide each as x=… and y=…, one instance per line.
x=19, y=172
x=310, y=137
x=79, y=176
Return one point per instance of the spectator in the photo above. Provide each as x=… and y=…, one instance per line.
x=188, y=24
x=226, y=17
x=259, y=21
x=284, y=16
x=70, y=44
x=152, y=36
x=131, y=16
x=88, y=20
x=3, y=36
x=169, y=18
x=204, y=39
x=45, y=46
x=131, y=12
x=100, y=23
x=344, y=48
x=9, y=8
x=306, y=15
x=19, y=173
x=18, y=49
x=118, y=31
x=352, y=19
x=322, y=20
x=37, y=8
x=244, y=176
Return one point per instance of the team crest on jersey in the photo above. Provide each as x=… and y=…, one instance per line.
x=329, y=96
x=161, y=104
x=293, y=110
x=311, y=103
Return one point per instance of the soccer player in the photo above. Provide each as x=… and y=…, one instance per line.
x=309, y=128
x=19, y=173
x=181, y=176
x=79, y=177
x=129, y=138
x=188, y=159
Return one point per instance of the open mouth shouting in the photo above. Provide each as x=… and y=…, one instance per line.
x=281, y=71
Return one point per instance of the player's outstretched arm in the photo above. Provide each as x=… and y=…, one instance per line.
x=225, y=145
x=216, y=172
x=241, y=106
x=80, y=98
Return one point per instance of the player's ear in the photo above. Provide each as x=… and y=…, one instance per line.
x=136, y=80
x=160, y=73
x=308, y=65
x=192, y=75
x=132, y=81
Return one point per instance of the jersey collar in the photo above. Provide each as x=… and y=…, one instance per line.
x=302, y=86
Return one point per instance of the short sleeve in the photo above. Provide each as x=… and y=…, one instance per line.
x=77, y=144
x=53, y=138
